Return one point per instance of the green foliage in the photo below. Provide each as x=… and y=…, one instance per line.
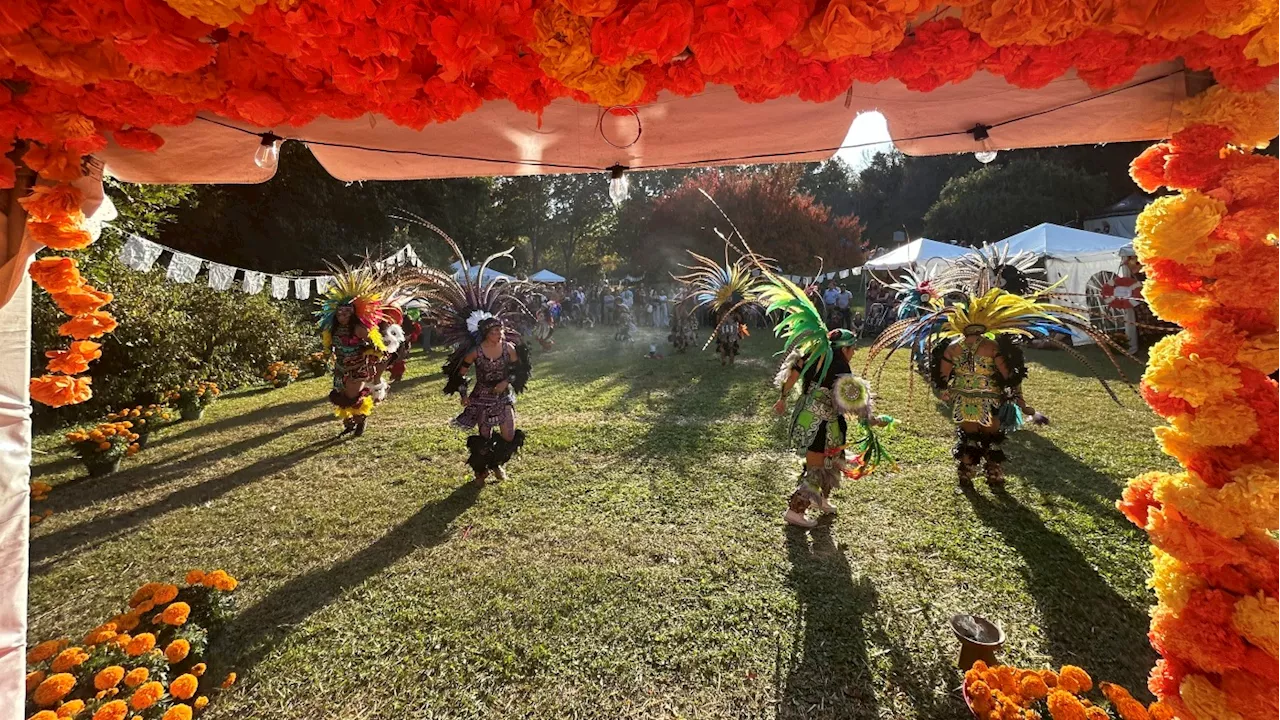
x=169, y=334
x=996, y=201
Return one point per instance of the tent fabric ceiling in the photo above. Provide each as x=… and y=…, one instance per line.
x=714, y=128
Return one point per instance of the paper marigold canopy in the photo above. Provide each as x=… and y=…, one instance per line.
x=520, y=86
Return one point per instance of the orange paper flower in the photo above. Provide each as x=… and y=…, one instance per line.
x=89, y=325
x=55, y=274
x=81, y=300
x=60, y=390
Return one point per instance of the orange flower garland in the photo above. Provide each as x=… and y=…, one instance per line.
x=1211, y=258
x=54, y=219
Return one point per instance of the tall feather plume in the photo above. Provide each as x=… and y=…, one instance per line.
x=452, y=301
x=802, y=329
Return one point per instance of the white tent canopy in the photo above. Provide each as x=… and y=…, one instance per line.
x=922, y=252
x=1072, y=257
x=1061, y=243
x=546, y=276
x=472, y=271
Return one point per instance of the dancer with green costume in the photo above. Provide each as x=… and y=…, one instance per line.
x=831, y=397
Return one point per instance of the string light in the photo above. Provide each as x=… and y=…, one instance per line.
x=267, y=156
x=737, y=159
x=619, y=184
x=982, y=133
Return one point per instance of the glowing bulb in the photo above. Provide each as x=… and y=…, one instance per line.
x=267, y=156
x=985, y=156
x=619, y=185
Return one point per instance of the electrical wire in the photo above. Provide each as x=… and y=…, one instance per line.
x=726, y=160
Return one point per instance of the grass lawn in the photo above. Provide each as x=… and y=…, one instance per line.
x=634, y=566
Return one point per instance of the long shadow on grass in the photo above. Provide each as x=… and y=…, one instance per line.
x=256, y=631
x=1085, y=621
x=91, y=490
x=192, y=429
x=828, y=672
x=1053, y=471
x=85, y=536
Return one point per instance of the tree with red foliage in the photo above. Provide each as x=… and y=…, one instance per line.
x=765, y=205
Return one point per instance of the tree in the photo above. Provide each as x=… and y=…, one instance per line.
x=996, y=201
x=765, y=206
x=831, y=184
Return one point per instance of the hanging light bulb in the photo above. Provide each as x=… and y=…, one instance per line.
x=267, y=156
x=619, y=184
x=981, y=134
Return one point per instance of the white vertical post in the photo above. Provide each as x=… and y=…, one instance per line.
x=15, y=476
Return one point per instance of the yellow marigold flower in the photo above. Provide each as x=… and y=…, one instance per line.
x=1231, y=510
x=146, y=695
x=177, y=651
x=1074, y=680
x=198, y=669
x=70, y=709
x=184, y=688
x=140, y=644
x=68, y=659
x=201, y=702
x=114, y=710
x=44, y=715
x=165, y=594
x=231, y=680
x=194, y=577
x=136, y=677
x=1177, y=228
x=45, y=650
x=53, y=688
x=1219, y=424
x=177, y=712
x=101, y=634
x=34, y=679
x=1196, y=379
x=108, y=677
x=1202, y=698
x=1256, y=617
x=176, y=613
x=1248, y=115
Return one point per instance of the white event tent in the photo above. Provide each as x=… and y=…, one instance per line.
x=917, y=253
x=546, y=276
x=1076, y=255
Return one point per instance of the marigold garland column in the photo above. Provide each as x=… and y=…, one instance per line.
x=1211, y=262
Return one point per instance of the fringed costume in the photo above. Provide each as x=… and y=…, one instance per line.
x=350, y=318
x=626, y=331
x=479, y=320
x=976, y=366
x=684, y=327
x=729, y=293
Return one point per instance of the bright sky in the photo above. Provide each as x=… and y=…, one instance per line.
x=868, y=127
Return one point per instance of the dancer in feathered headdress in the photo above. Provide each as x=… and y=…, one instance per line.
x=728, y=292
x=916, y=289
x=684, y=326
x=349, y=318
x=478, y=317
x=976, y=368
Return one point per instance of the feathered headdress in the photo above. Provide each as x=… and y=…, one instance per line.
x=365, y=289
x=723, y=289
x=993, y=314
x=917, y=289
x=462, y=308
x=993, y=267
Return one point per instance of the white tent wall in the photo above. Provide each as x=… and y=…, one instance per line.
x=1078, y=270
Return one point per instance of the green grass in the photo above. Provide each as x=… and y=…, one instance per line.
x=636, y=564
